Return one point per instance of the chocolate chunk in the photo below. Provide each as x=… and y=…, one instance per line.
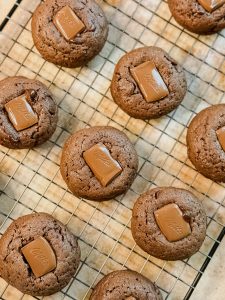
x=68, y=23
x=211, y=5
x=104, y=167
x=21, y=113
x=171, y=222
x=221, y=137
x=33, y=94
x=150, y=82
x=40, y=256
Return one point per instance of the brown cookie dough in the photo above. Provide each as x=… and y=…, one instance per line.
x=204, y=148
x=127, y=94
x=147, y=233
x=193, y=16
x=125, y=285
x=75, y=52
x=79, y=177
x=42, y=104
x=14, y=267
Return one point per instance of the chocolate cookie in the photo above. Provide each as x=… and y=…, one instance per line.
x=169, y=223
x=125, y=285
x=69, y=33
x=199, y=16
x=28, y=113
x=98, y=163
x=147, y=83
x=206, y=142
x=38, y=255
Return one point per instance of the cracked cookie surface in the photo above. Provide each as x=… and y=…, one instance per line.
x=78, y=176
x=127, y=94
x=54, y=47
x=204, y=149
x=149, y=237
x=125, y=284
x=42, y=104
x=13, y=266
x=192, y=16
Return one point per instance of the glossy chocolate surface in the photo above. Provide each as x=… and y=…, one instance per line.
x=171, y=222
x=68, y=23
x=211, y=5
x=40, y=256
x=21, y=113
x=150, y=82
x=104, y=167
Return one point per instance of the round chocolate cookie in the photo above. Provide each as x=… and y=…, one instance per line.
x=14, y=265
x=28, y=113
x=195, y=17
x=127, y=93
x=125, y=285
x=206, y=149
x=75, y=37
x=98, y=163
x=169, y=223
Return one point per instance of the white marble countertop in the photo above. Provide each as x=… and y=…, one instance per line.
x=212, y=283
x=5, y=6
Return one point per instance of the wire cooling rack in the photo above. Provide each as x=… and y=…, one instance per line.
x=30, y=179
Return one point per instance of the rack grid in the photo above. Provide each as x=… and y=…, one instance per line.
x=30, y=180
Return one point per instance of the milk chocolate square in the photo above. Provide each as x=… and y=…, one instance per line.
x=40, y=256
x=171, y=222
x=68, y=23
x=101, y=163
x=211, y=5
x=221, y=137
x=150, y=82
x=21, y=113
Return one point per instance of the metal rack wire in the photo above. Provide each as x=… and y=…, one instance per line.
x=30, y=179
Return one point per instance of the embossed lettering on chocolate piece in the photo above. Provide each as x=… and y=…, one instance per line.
x=68, y=23
x=211, y=5
x=21, y=113
x=221, y=137
x=104, y=167
x=150, y=82
x=172, y=223
x=40, y=256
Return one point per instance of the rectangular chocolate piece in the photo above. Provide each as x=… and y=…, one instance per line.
x=21, y=113
x=68, y=23
x=221, y=137
x=171, y=222
x=101, y=163
x=40, y=256
x=150, y=82
x=211, y=5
